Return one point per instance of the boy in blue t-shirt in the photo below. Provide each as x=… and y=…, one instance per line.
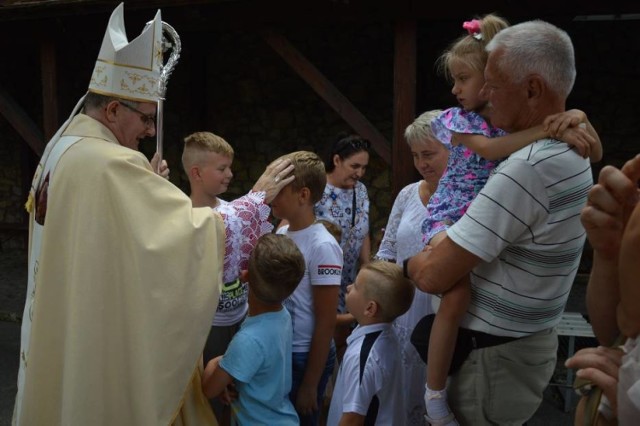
x=258, y=359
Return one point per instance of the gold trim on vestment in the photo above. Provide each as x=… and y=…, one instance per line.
x=119, y=96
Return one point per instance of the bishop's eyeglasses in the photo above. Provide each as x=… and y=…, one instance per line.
x=149, y=120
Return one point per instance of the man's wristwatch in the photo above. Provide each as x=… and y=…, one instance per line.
x=405, y=267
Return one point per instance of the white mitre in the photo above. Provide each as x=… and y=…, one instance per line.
x=129, y=70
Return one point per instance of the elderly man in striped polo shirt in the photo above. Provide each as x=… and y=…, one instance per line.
x=521, y=238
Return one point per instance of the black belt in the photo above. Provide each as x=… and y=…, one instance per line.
x=466, y=341
x=481, y=340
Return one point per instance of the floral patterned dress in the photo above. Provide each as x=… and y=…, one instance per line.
x=466, y=171
x=337, y=206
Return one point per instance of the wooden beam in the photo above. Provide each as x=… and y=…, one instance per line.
x=404, y=101
x=327, y=91
x=20, y=121
x=49, y=87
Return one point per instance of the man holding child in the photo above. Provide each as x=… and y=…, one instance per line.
x=521, y=238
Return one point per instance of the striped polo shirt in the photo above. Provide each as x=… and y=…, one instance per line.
x=525, y=226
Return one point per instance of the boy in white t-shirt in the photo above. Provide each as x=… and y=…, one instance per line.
x=314, y=303
x=368, y=387
x=207, y=160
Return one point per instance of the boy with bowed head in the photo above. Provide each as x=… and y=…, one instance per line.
x=258, y=359
x=369, y=387
x=314, y=303
x=120, y=263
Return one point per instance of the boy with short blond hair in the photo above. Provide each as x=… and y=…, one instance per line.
x=314, y=303
x=258, y=358
x=207, y=160
x=368, y=387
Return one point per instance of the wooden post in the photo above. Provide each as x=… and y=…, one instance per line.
x=404, y=102
x=49, y=87
x=21, y=122
x=327, y=91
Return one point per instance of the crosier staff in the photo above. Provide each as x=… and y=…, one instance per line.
x=170, y=40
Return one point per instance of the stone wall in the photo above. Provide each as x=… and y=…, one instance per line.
x=12, y=214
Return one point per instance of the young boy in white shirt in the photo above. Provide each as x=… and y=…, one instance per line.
x=313, y=305
x=207, y=160
x=368, y=387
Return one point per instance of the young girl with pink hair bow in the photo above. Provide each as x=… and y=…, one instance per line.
x=476, y=148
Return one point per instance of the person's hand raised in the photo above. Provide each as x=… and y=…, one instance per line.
x=163, y=170
x=609, y=204
x=276, y=176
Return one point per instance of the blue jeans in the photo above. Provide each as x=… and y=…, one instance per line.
x=299, y=365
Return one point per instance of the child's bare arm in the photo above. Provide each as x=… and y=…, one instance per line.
x=351, y=419
x=325, y=305
x=563, y=126
x=215, y=380
x=571, y=126
x=502, y=146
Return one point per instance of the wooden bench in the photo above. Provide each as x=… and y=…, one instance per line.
x=572, y=325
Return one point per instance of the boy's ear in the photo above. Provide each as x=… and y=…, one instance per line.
x=194, y=172
x=372, y=308
x=305, y=194
x=244, y=276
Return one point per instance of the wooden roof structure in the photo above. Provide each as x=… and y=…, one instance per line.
x=268, y=16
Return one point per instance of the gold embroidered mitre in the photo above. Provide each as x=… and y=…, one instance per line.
x=129, y=70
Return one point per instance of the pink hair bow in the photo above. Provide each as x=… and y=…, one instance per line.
x=473, y=27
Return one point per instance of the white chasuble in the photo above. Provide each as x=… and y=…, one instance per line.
x=124, y=279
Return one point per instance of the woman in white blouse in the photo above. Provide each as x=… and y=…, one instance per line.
x=403, y=238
